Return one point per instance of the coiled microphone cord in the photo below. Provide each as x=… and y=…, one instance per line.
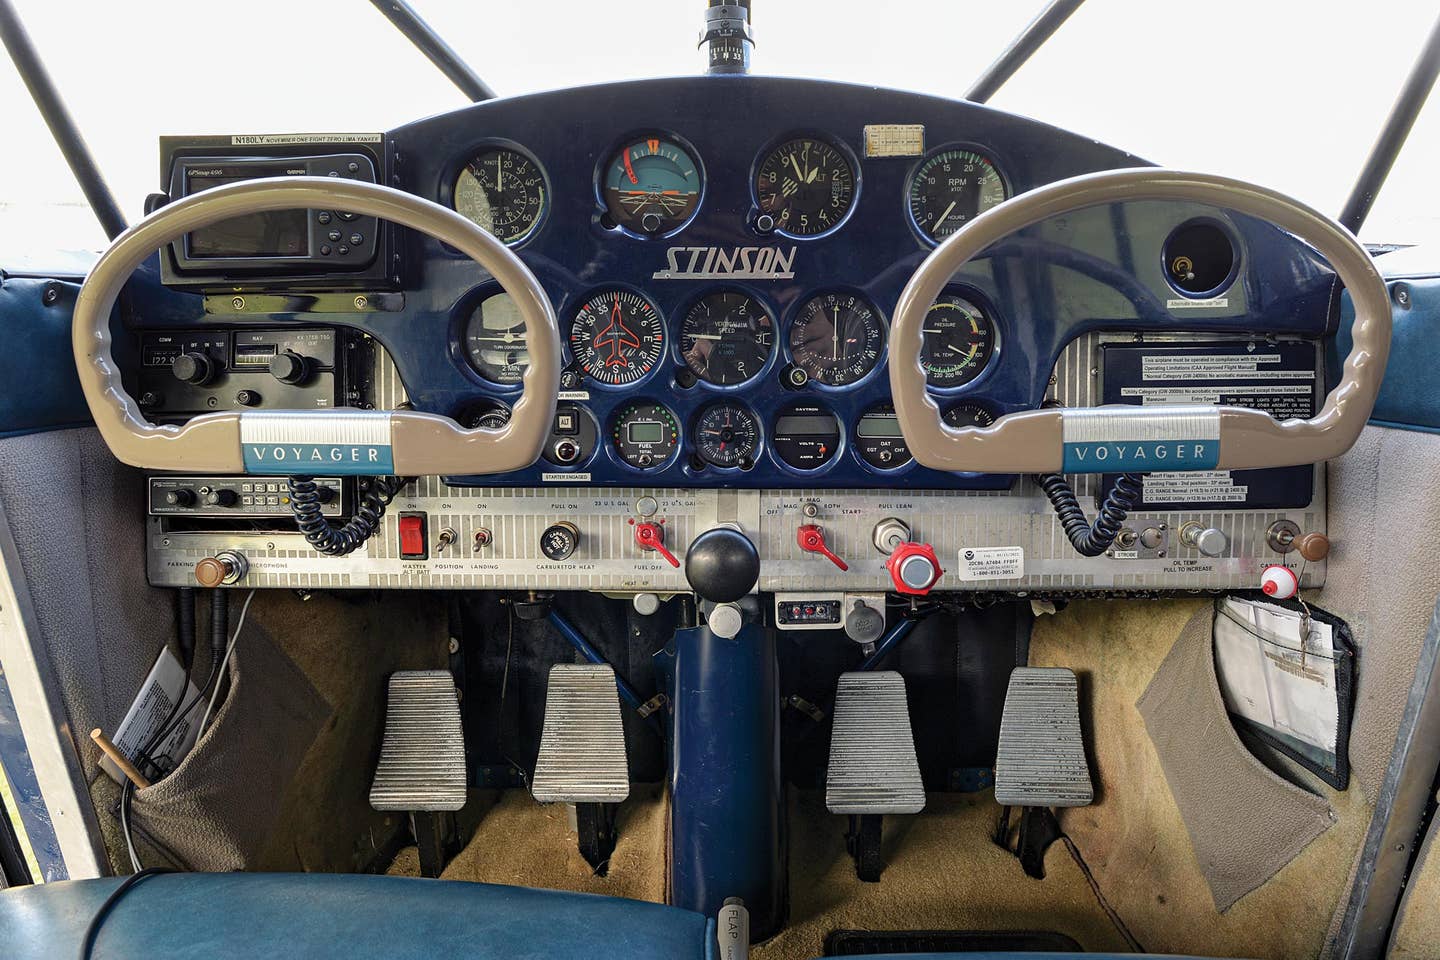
x=1091, y=540
x=338, y=541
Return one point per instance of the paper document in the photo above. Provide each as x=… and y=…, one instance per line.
x=157, y=696
x=1267, y=678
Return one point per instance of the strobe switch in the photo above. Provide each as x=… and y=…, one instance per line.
x=914, y=568
x=412, y=537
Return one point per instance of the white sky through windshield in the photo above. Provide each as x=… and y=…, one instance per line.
x=1287, y=95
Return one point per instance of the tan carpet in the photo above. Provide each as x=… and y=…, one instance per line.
x=942, y=871
x=1417, y=932
x=1133, y=837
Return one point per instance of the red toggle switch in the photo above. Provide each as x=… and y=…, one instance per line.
x=651, y=536
x=812, y=540
x=914, y=568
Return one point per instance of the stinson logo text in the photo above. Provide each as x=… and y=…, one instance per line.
x=736, y=263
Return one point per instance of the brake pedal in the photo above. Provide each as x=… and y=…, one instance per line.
x=422, y=759
x=873, y=768
x=582, y=754
x=1041, y=761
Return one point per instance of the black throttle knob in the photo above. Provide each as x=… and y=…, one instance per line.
x=722, y=565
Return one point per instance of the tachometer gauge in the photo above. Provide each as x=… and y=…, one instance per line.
x=617, y=337
x=727, y=435
x=968, y=415
x=503, y=191
x=495, y=340
x=727, y=337
x=837, y=338
x=958, y=341
x=952, y=188
x=645, y=434
x=806, y=436
x=878, y=439
x=652, y=186
x=806, y=186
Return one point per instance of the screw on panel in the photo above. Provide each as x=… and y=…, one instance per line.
x=238, y=303
x=361, y=302
x=1400, y=293
x=50, y=296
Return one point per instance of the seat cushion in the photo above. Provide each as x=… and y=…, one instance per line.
x=218, y=916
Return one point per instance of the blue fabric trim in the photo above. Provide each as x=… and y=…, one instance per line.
x=37, y=366
x=1410, y=393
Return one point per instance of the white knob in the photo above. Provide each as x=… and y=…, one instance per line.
x=917, y=572
x=725, y=620
x=1279, y=582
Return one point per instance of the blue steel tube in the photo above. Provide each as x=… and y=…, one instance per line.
x=727, y=801
x=568, y=631
x=887, y=643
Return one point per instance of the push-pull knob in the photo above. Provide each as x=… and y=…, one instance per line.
x=650, y=537
x=1210, y=541
x=812, y=540
x=914, y=568
x=227, y=566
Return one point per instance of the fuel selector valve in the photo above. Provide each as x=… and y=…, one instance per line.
x=914, y=568
x=812, y=540
x=650, y=537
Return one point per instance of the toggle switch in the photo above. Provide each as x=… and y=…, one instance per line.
x=812, y=540
x=650, y=536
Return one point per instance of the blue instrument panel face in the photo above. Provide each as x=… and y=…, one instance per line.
x=724, y=255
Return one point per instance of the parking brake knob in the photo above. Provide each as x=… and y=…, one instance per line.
x=722, y=565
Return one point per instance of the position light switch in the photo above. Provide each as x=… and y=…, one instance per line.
x=812, y=540
x=412, y=537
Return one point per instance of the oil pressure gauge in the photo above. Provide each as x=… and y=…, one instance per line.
x=959, y=339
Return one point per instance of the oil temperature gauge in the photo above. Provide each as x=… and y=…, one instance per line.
x=645, y=434
x=959, y=341
x=878, y=439
x=727, y=435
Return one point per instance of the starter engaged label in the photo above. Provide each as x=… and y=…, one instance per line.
x=991, y=563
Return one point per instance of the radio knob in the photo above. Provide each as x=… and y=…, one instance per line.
x=220, y=498
x=194, y=368
x=290, y=367
x=179, y=497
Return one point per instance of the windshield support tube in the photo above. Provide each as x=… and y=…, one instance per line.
x=1021, y=49
x=62, y=125
x=1393, y=135
x=428, y=42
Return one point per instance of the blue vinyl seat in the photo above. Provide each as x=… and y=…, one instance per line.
x=219, y=916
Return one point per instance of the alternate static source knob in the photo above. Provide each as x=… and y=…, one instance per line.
x=914, y=568
x=194, y=368
x=1210, y=541
x=290, y=367
x=559, y=541
x=1279, y=582
x=722, y=565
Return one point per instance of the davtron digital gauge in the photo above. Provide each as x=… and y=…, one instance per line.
x=878, y=439
x=959, y=340
x=806, y=436
x=806, y=186
x=617, y=337
x=503, y=192
x=836, y=338
x=652, y=186
x=727, y=435
x=950, y=189
x=495, y=340
x=645, y=434
x=727, y=337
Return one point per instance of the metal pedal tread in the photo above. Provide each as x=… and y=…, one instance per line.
x=422, y=758
x=582, y=742
x=873, y=767
x=1041, y=761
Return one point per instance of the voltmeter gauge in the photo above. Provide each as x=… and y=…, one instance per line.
x=645, y=434
x=495, y=340
x=959, y=339
x=878, y=439
x=952, y=188
x=502, y=191
x=617, y=337
x=806, y=436
x=652, y=186
x=727, y=337
x=837, y=338
x=968, y=415
x=727, y=435
x=806, y=186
